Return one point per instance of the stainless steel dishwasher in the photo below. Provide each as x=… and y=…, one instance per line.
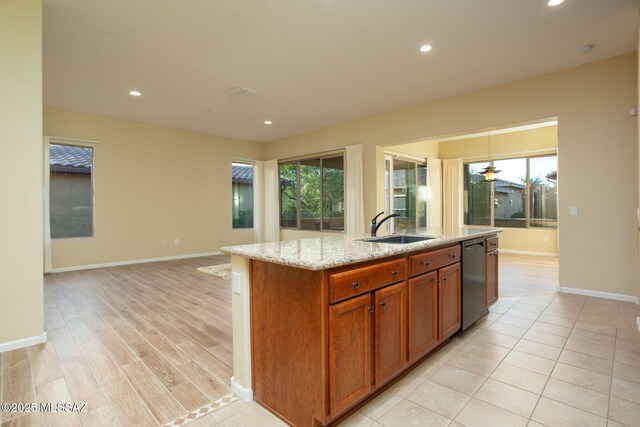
x=474, y=289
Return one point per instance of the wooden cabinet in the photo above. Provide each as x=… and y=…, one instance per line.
x=491, y=273
x=433, y=260
x=390, y=331
x=423, y=315
x=347, y=284
x=364, y=332
x=449, y=316
x=350, y=352
x=324, y=341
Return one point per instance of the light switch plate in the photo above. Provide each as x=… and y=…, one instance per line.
x=573, y=211
x=235, y=282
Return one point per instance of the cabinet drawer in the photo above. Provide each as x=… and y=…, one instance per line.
x=492, y=244
x=360, y=280
x=428, y=261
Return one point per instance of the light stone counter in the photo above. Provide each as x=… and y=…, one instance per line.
x=327, y=252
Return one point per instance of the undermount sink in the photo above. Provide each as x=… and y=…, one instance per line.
x=398, y=239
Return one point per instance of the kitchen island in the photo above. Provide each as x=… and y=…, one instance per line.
x=322, y=325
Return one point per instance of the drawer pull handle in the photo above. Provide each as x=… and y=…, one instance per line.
x=394, y=273
x=356, y=284
x=370, y=308
x=452, y=255
x=382, y=303
x=445, y=279
x=425, y=263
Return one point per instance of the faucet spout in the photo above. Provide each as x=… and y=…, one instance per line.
x=376, y=225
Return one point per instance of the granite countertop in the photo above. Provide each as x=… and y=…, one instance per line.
x=334, y=251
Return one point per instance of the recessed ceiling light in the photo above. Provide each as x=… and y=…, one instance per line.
x=426, y=48
x=135, y=93
x=267, y=122
x=555, y=2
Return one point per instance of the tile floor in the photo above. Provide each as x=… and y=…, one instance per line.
x=556, y=360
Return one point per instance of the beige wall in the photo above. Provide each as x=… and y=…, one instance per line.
x=421, y=148
x=21, y=288
x=530, y=240
x=152, y=184
x=530, y=142
x=592, y=105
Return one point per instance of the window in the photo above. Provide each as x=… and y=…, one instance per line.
x=70, y=191
x=510, y=185
x=406, y=193
x=524, y=193
x=242, y=195
x=312, y=194
x=477, y=210
x=543, y=190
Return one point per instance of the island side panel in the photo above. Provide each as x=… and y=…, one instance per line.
x=240, y=303
x=288, y=330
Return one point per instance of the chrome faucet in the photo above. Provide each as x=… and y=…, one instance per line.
x=375, y=225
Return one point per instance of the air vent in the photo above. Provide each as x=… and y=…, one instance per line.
x=242, y=92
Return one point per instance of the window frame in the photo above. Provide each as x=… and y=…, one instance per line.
x=54, y=141
x=252, y=163
x=527, y=192
x=297, y=161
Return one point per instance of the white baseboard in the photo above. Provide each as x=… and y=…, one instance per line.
x=245, y=394
x=599, y=294
x=134, y=261
x=514, y=252
x=24, y=342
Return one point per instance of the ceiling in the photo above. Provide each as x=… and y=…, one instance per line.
x=314, y=63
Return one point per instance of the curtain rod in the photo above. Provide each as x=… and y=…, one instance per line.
x=408, y=156
x=64, y=138
x=322, y=154
x=507, y=156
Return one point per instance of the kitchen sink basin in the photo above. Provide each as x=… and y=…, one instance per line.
x=398, y=239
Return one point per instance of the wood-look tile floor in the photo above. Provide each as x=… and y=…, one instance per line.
x=555, y=360
x=526, y=275
x=141, y=345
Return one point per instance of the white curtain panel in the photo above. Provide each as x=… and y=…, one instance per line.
x=258, y=202
x=48, y=263
x=453, y=190
x=355, y=190
x=271, y=222
x=434, y=192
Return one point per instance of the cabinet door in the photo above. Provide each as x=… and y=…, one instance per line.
x=423, y=314
x=491, y=270
x=390, y=331
x=350, y=352
x=449, y=300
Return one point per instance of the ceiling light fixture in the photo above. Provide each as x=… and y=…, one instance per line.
x=490, y=171
x=555, y=2
x=426, y=48
x=135, y=93
x=268, y=122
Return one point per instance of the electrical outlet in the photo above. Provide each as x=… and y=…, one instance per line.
x=546, y=238
x=235, y=282
x=176, y=242
x=573, y=211
x=162, y=242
